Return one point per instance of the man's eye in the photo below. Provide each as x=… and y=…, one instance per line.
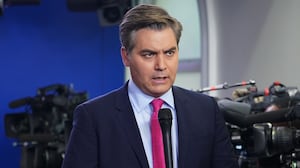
x=148, y=54
x=170, y=53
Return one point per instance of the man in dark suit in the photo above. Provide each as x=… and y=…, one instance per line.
x=113, y=130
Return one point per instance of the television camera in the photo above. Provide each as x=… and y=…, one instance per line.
x=43, y=129
x=263, y=125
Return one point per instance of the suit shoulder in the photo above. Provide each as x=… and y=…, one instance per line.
x=105, y=99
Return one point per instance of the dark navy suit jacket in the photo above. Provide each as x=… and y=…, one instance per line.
x=105, y=133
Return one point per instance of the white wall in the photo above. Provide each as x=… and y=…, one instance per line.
x=187, y=13
x=254, y=39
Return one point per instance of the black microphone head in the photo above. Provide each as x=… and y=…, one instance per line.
x=165, y=121
x=235, y=112
x=165, y=114
x=235, y=107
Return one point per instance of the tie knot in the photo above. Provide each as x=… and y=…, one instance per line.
x=156, y=104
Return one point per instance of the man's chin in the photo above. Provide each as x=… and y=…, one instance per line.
x=160, y=91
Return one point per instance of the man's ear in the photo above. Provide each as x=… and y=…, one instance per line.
x=124, y=55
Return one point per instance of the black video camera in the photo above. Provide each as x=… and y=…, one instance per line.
x=264, y=127
x=43, y=128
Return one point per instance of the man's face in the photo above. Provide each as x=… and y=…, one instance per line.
x=153, y=61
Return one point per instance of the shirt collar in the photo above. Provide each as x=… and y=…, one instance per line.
x=140, y=100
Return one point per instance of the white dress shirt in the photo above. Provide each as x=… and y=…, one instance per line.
x=142, y=110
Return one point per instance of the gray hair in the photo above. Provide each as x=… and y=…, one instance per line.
x=146, y=16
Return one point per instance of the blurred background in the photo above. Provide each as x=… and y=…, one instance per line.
x=69, y=47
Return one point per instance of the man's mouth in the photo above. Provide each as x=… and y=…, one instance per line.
x=160, y=78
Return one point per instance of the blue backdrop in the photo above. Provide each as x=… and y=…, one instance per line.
x=47, y=44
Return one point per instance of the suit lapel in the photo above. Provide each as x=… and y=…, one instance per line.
x=128, y=123
x=183, y=131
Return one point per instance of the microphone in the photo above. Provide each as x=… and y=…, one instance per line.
x=165, y=120
x=239, y=114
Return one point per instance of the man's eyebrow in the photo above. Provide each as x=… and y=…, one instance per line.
x=147, y=50
x=171, y=49
x=153, y=51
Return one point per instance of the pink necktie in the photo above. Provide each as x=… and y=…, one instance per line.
x=156, y=135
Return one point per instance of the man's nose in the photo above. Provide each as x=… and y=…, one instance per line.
x=160, y=62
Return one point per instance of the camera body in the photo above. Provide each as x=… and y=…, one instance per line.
x=43, y=128
x=264, y=127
